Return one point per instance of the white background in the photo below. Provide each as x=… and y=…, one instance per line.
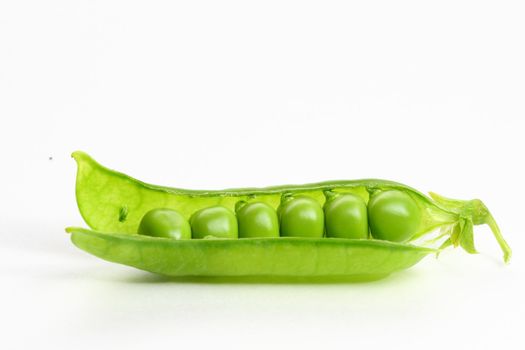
x=217, y=94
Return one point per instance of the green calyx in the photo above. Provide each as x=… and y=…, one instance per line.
x=469, y=213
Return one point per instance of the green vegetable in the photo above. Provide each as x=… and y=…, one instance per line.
x=216, y=221
x=257, y=219
x=301, y=216
x=394, y=216
x=346, y=216
x=167, y=223
x=113, y=204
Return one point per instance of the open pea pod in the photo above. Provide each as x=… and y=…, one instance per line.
x=112, y=204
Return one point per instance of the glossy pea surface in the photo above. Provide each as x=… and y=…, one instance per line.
x=346, y=217
x=216, y=221
x=393, y=216
x=257, y=219
x=301, y=216
x=165, y=223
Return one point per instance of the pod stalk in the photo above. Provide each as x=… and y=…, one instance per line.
x=507, y=251
x=472, y=212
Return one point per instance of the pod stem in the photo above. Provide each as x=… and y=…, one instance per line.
x=507, y=252
x=469, y=213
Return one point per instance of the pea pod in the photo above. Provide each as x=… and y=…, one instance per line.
x=113, y=204
x=286, y=257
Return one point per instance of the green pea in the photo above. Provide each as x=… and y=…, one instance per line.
x=217, y=221
x=167, y=223
x=301, y=216
x=346, y=217
x=393, y=215
x=257, y=219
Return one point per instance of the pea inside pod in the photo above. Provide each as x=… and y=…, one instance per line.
x=301, y=216
x=394, y=216
x=166, y=223
x=214, y=222
x=257, y=219
x=346, y=216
